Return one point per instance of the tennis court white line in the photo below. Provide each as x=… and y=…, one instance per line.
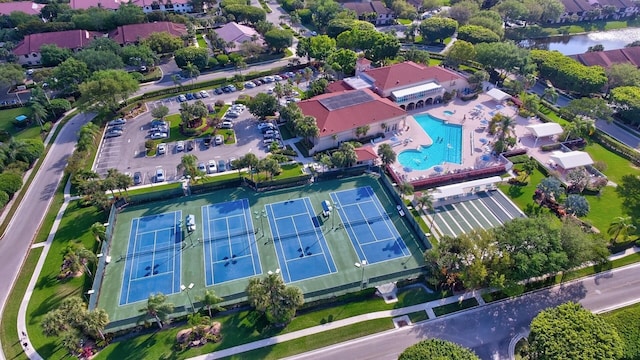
x=156, y=230
x=341, y=211
x=251, y=230
x=387, y=221
x=320, y=236
x=275, y=224
x=208, y=244
x=135, y=237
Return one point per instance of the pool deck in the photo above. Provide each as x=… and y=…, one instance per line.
x=468, y=114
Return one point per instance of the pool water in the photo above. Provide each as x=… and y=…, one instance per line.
x=448, y=112
x=446, y=147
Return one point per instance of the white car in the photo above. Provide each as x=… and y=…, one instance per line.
x=264, y=125
x=119, y=121
x=232, y=114
x=202, y=167
x=159, y=175
x=162, y=149
x=238, y=107
x=204, y=94
x=277, y=78
x=159, y=135
x=180, y=146
x=225, y=125
x=249, y=85
x=219, y=140
x=213, y=168
x=191, y=223
x=270, y=91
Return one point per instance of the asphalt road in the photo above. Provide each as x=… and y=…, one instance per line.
x=22, y=228
x=489, y=329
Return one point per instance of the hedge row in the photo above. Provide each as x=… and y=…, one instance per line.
x=617, y=147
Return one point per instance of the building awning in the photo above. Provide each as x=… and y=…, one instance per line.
x=546, y=129
x=415, y=90
x=448, y=191
x=571, y=159
x=498, y=95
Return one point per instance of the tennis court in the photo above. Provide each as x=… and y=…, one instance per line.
x=152, y=261
x=300, y=245
x=372, y=232
x=230, y=250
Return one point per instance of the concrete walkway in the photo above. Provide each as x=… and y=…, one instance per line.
x=428, y=307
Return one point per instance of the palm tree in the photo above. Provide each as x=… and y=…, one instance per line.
x=507, y=125
x=426, y=201
x=210, y=301
x=176, y=80
x=76, y=258
x=192, y=71
x=99, y=231
x=278, y=89
x=39, y=112
x=158, y=308
x=95, y=322
x=386, y=153
x=405, y=188
x=241, y=65
x=550, y=94
x=123, y=182
x=251, y=161
x=581, y=127
x=621, y=225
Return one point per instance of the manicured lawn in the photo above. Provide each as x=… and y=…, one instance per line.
x=435, y=62
x=404, y=21
x=7, y=120
x=49, y=291
x=201, y=42
x=617, y=166
x=146, y=190
x=523, y=195
x=553, y=116
x=457, y=306
x=604, y=208
x=626, y=321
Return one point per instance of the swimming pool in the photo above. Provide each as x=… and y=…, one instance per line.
x=448, y=112
x=446, y=147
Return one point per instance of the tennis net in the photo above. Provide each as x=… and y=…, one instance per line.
x=227, y=236
x=369, y=221
x=298, y=234
x=156, y=250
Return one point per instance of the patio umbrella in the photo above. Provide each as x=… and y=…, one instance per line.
x=484, y=122
x=485, y=157
x=438, y=168
x=483, y=140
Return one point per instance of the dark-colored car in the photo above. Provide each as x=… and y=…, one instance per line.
x=189, y=96
x=197, y=95
x=226, y=89
x=137, y=178
x=257, y=82
x=190, y=145
x=207, y=141
x=218, y=91
x=116, y=128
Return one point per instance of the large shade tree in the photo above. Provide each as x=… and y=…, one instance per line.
x=571, y=332
x=433, y=349
x=277, y=301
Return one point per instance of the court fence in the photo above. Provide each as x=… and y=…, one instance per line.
x=412, y=221
x=102, y=260
x=152, y=196
x=278, y=184
x=341, y=173
x=215, y=185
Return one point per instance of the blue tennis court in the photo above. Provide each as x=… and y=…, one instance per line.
x=153, y=257
x=302, y=250
x=371, y=230
x=230, y=251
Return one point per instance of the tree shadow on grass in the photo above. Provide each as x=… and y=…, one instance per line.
x=515, y=191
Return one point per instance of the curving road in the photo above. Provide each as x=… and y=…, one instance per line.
x=489, y=329
x=23, y=226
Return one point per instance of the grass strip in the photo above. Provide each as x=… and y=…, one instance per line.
x=418, y=316
x=8, y=333
x=456, y=306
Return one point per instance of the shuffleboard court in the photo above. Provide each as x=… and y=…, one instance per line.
x=372, y=232
x=153, y=257
x=302, y=250
x=230, y=251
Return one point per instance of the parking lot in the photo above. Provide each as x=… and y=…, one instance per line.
x=127, y=154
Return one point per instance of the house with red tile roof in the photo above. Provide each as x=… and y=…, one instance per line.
x=408, y=84
x=177, y=6
x=28, y=50
x=338, y=116
x=236, y=34
x=27, y=7
x=590, y=10
x=366, y=155
x=134, y=33
x=611, y=57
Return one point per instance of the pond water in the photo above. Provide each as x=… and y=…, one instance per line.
x=578, y=44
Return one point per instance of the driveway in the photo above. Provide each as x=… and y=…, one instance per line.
x=127, y=153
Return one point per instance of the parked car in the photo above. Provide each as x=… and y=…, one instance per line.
x=137, y=178
x=267, y=142
x=222, y=166
x=257, y=82
x=158, y=135
x=232, y=88
x=232, y=114
x=112, y=134
x=277, y=78
x=249, y=85
x=182, y=98
x=238, y=107
x=213, y=168
x=119, y=121
x=226, y=89
x=270, y=91
x=160, y=175
x=268, y=79
x=197, y=95
x=162, y=149
x=189, y=96
x=225, y=125
x=265, y=126
x=116, y=128
x=232, y=163
x=202, y=167
x=207, y=141
x=219, y=140
x=190, y=145
x=180, y=146
x=204, y=93
x=218, y=91
x=158, y=122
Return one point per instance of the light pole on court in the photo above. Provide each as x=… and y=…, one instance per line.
x=186, y=289
x=261, y=215
x=362, y=264
x=334, y=212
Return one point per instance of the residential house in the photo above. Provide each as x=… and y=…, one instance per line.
x=610, y=57
x=409, y=85
x=236, y=34
x=587, y=10
x=374, y=12
x=134, y=33
x=28, y=50
x=366, y=155
x=338, y=116
x=177, y=6
x=27, y=7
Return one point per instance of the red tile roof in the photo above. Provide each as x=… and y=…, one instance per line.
x=348, y=113
x=611, y=57
x=129, y=34
x=337, y=86
x=70, y=39
x=362, y=8
x=408, y=73
x=366, y=153
x=26, y=7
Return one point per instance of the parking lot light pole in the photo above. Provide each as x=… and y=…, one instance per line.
x=186, y=289
x=362, y=264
